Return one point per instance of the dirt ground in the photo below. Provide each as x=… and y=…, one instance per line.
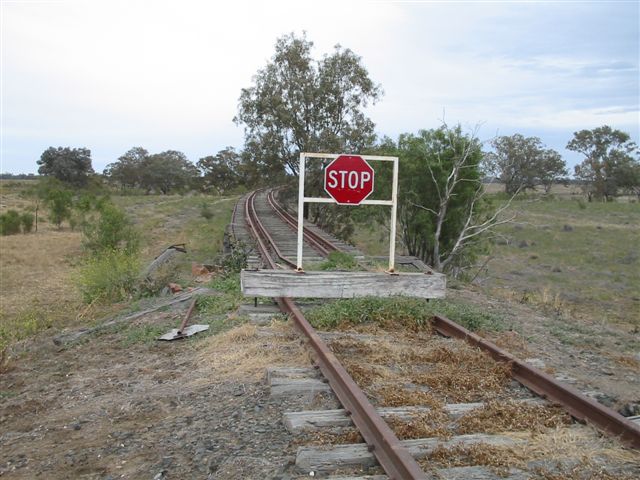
x=119, y=406
x=107, y=408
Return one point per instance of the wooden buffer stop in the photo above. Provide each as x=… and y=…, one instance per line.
x=289, y=283
x=349, y=180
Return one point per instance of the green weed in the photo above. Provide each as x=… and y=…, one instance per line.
x=339, y=261
x=110, y=277
x=400, y=311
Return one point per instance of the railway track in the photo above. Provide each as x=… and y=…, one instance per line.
x=426, y=405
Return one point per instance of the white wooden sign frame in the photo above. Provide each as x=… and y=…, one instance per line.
x=393, y=203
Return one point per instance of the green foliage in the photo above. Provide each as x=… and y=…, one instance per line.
x=10, y=223
x=230, y=299
x=164, y=172
x=339, y=261
x=235, y=261
x=523, y=162
x=297, y=104
x=400, y=312
x=112, y=229
x=111, y=276
x=205, y=211
x=221, y=172
x=27, y=219
x=69, y=165
x=611, y=162
x=440, y=202
x=59, y=202
x=227, y=283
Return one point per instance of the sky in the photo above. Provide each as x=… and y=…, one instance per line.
x=110, y=75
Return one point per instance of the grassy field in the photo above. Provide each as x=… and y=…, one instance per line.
x=38, y=270
x=563, y=254
x=579, y=258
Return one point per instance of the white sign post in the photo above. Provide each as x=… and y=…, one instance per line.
x=393, y=203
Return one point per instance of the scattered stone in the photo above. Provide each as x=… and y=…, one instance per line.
x=536, y=362
x=567, y=228
x=630, y=409
x=604, y=398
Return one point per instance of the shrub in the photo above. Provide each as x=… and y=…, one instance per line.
x=27, y=219
x=206, y=212
x=109, y=277
x=10, y=223
x=111, y=230
x=59, y=202
x=339, y=261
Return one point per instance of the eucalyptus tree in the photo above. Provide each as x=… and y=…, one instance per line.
x=298, y=104
x=611, y=161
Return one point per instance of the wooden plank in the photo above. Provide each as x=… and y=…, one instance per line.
x=287, y=283
x=297, y=422
x=321, y=459
x=307, y=387
x=475, y=472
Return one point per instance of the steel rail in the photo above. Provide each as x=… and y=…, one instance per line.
x=322, y=244
x=578, y=405
x=395, y=459
x=256, y=226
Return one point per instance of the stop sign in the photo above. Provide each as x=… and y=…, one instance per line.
x=349, y=179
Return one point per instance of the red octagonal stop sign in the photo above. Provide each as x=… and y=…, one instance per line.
x=349, y=179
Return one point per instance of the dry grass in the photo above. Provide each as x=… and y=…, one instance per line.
x=576, y=442
x=467, y=455
x=452, y=370
x=627, y=361
x=424, y=425
x=246, y=351
x=394, y=396
x=469, y=377
x=496, y=417
x=327, y=438
x=36, y=288
x=512, y=342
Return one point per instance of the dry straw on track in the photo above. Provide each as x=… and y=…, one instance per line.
x=496, y=417
x=246, y=351
x=451, y=370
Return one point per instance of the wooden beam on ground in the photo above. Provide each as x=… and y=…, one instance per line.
x=288, y=283
x=323, y=459
x=459, y=473
x=305, y=420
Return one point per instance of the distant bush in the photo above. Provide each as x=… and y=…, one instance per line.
x=27, y=219
x=112, y=229
x=10, y=223
x=59, y=202
x=206, y=212
x=111, y=276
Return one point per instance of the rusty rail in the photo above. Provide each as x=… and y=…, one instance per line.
x=396, y=461
x=576, y=403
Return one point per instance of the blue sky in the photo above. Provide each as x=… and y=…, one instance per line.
x=167, y=75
